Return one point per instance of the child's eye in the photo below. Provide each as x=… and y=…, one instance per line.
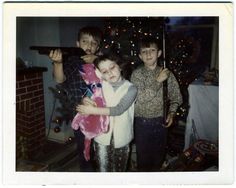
x=94, y=43
x=112, y=67
x=105, y=72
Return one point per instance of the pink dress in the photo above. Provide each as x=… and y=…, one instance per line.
x=91, y=125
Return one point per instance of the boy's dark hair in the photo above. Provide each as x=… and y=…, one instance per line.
x=147, y=42
x=95, y=32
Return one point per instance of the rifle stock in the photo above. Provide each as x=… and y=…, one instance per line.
x=66, y=51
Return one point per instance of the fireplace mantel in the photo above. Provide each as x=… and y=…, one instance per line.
x=31, y=70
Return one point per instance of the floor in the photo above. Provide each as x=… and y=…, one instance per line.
x=63, y=158
x=58, y=157
x=69, y=162
x=54, y=157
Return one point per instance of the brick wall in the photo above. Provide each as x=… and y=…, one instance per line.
x=30, y=116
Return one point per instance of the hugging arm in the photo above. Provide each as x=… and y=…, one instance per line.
x=125, y=102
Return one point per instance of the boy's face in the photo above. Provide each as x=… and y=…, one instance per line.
x=149, y=55
x=110, y=71
x=88, y=44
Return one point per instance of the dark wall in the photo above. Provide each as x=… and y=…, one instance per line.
x=69, y=28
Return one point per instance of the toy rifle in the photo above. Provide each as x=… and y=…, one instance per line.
x=66, y=51
x=165, y=86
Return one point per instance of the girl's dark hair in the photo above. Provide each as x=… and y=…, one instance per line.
x=123, y=64
x=95, y=32
x=147, y=42
x=112, y=56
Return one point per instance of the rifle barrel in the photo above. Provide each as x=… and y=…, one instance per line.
x=165, y=85
x=45, y=50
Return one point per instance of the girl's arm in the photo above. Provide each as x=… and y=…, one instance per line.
x=125, y=102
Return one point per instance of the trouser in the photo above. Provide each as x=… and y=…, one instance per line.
x=151, y=140
x=85, y=166
x=111, y=159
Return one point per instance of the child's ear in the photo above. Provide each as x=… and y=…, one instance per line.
x=159, y=53
x=98, y=48
x=140, y=56
x=77, y=44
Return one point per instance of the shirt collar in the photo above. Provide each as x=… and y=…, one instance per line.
x=157, y=69
x=118, y=83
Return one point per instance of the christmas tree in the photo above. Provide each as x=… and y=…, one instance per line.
x=65, y=110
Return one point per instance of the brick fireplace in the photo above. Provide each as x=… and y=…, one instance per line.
x=30, y=113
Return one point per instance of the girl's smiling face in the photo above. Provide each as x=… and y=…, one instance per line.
x=110, y=71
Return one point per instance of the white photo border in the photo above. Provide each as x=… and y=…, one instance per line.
x=222, y=10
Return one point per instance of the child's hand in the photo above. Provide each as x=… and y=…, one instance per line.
x=88, y=102
x=84, y=110
x=170, y=119
x=164, y=74
x=56, y=56
x=89, y=58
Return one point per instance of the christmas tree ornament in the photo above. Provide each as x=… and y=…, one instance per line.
x=57, y=129
x=57, y=120
x=69, y=140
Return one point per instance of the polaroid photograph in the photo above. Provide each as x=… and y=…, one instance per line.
x=117, y=93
